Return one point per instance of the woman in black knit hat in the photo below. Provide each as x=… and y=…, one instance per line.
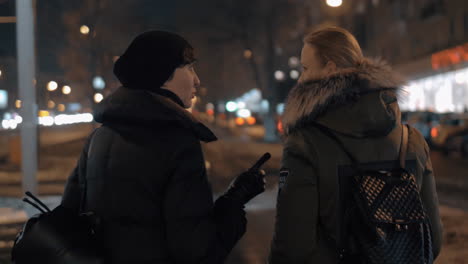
x=144, y=168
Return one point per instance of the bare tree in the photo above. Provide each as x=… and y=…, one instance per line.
x=267, y=31
x=85, y=56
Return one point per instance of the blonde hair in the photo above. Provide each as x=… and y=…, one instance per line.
x=335, y=44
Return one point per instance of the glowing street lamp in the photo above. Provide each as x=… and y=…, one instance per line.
x=231, y=106
x=247, y=54
x=334, y=3
x=294, y=74
x=52, y=86
x=98, y=97
x=51, y=104
x=84, y=30
x=66, y=89
x=279, y=75
x=61, y=107
x=0, y=73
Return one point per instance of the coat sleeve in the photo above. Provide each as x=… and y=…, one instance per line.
x=295, y=237
x=431, y=203
x=197, y=230
x=72, y=194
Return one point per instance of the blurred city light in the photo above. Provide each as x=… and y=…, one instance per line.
x=441, y=93
x=84, y=30
x=231, y=106
x=1, y=73
x=280, y=108
x=18, y=119
x=52, y=86
x=247, y=54
x=251, y=120
x=66, y=89
x=3, y=99
x=265, y=106
x=240, y=121
x=98, y=83
x=73, y=119
x=460, y=77
x=241, y=105
x=334, y=3
x=244, y=113
x=98, y=97
x=61, y=107
x=43, y=113
x=293, y=62
x=50, y=104
x=294, y=74
x=12, y=123
x=9, y=124
x=46, y=120
x=279, y=75
x=221, y=107
x=18, y=104
x=209, y=106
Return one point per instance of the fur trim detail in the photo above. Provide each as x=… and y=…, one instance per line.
x=313, y=97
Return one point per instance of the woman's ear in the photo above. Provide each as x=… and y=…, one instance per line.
x=330, y=67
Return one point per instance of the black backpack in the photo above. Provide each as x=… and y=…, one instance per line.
x=382, y=216
x=58, y=236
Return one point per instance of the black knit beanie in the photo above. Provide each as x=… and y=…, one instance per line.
x=151, y=59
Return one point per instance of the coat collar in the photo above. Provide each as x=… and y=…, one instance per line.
x=310, y=99
x=139, y=107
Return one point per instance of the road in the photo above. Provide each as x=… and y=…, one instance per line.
x=47, y=135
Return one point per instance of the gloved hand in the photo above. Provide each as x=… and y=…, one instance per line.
x=246, y=186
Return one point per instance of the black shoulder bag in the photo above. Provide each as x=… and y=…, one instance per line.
x=58, y=236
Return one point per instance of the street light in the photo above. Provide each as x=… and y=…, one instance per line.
x=52, y=86
x=66, y=89
x=84, y=30
x=61, y=107
x=231, y=106
x=247, y=54
x=98, y=97
x=334, y=3
x=0, y=73
x=293, y=62
x=294, y=74
x=99, y=83
x=279, y=75
x=50, y=104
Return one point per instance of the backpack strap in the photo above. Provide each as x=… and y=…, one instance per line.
x=404, y=145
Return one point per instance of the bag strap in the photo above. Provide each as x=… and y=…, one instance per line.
x=404, y=145
x=340, y=243
x=84, y=193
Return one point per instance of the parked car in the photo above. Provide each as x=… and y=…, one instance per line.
x=451, y=135
x=422, y=121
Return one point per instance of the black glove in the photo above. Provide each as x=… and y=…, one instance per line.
x=246, y=186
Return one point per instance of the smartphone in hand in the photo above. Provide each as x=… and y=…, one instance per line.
x=260, y=162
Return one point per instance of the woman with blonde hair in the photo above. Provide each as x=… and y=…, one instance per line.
x=344, y=111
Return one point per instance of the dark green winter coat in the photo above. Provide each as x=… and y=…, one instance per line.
x=146, y=180
x=361, y=106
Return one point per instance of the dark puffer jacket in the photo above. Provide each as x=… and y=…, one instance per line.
x=146, y=179
x=361, y=106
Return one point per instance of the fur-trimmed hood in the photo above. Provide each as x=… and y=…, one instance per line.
x=342, y=92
